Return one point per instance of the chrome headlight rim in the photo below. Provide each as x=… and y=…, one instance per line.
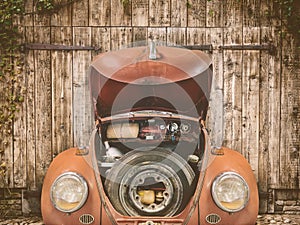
x=214, y=195
x=84, y=197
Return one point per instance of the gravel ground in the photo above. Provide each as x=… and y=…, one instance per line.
x=268, y=219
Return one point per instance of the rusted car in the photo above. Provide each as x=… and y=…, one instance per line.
x=150, y=160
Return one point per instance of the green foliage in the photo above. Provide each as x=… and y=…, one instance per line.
x=10, y=70
x=290, y=16
x=11, y=64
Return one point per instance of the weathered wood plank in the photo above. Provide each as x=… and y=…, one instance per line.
x=140, y=11
x=196, y=36
x=159, y=12
x=43, y=113
x=251, y=12
x=274, y=109
x=269, y=13
x=19, y=121
x=80, y=13
x=176, y=36
x=250, y=108
x=140, y=34
x=61, y=70
x=40, y=18
x=196, y=13
x=99, y=12
x=120, y=13
x=214, y=36
x=6, y=148
x=30, y=112
x=233, y=69
x=120, y=37
x=6, y=132
x=233, y=61
x=289, y=123
x=158, y=34
x=63, y=16
x=7, y=157
x=100, y=39
x=214, y=13
x=179, y=13
x=233, y=13
x=82, y=107
x=264, y=126
x=233, y=36
x=29, y=17
x=250, y=98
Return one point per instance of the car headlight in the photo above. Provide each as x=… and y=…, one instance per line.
x=69, y=192
x=230, y=192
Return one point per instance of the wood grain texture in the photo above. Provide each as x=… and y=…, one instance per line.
x=196, y=13
x=260, y=88
x=30, y=112
x=80, y=13
x=140, y=12
x=63, y=16
x=289, y=123
x=120, y=37
x=43, y=104
x=100, y=11
x=159, y=13
x=61, y=73
x=82, y=107
x=176, y=36
x=120, y=13
x=19, y=122
x=214, y=13
x=233, y=13
x=179, y=13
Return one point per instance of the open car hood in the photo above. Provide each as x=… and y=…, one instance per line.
x=178, y=80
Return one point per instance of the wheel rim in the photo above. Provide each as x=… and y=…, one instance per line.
x=160, y=180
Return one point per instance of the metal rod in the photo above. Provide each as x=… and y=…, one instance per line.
x=199, y=47
x=38, y=46
x=267, y=47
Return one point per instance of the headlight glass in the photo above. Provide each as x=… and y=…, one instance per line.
x=69, y=192
x=230, y=192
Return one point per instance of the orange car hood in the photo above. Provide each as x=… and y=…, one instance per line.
x=178, y=81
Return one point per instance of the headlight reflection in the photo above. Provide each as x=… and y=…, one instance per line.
x=230, y=192
x=69, y=192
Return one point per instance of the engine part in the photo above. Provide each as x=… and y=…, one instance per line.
x=122, y=130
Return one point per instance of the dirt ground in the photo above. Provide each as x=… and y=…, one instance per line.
x=268, y=219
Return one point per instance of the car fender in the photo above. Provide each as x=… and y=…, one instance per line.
x=230, y=161
x=69, y=161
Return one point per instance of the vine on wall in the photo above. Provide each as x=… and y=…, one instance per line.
x=11, y=65
x=291, y=18
x=10, y=71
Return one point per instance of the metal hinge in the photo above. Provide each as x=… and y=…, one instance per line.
x=264, y=47
x=199, y=47
x=38, y=46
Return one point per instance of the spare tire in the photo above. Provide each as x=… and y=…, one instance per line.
x=147, y=182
